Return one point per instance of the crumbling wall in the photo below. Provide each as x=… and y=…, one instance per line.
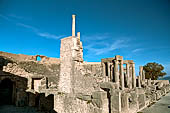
x=66, y=103
x=22, y=57
x=79, y=103
x=19, y=96
x=32, y=69
x=164, y=82
x=19, y=57
x=87, y=78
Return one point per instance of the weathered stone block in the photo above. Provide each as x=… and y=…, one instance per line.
x=108, y=85
x=139, y=90
x=84, y=97
x=141, y=100
x=125, y=101
x=115, y=102
x=99, y=95
x=133, y=101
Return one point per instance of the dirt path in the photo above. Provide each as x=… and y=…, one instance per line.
x=160, y=107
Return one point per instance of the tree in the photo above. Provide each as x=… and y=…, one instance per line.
x=153, y=71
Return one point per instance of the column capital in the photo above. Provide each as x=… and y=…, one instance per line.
x=73, y=16
x=121, y=61
x=116, y=61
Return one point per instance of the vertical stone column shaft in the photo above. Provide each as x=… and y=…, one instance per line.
x=127, y=74
x=141, y=72
x=73, y=25
x=116, y=73
x=130, y=76
x=133, y=76
x=139, y=81
x=111, y=73
x=104, y=72
x=122, y=75
x=108, y=70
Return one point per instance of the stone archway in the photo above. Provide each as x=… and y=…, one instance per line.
x=6, y=91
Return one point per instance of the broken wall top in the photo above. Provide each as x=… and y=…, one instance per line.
x=22, y=57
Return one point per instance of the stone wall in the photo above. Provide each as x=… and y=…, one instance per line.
x=22, y=57
x=78, y=103
x=66, y=59
x=87, y=78
x=66, y=103
x=19, y=86
x=32, y=70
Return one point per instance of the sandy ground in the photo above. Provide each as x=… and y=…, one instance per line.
x=13, y=109
x=159, y=107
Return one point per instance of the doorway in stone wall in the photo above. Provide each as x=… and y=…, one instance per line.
x=6, y=92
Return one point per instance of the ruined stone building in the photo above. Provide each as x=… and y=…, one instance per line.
x=70, y=85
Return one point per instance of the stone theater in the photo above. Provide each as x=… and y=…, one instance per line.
x=70, y=85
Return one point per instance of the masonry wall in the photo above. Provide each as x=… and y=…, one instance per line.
x=79, y=103
x=22, y=57
x=65, y=103
x=87, y=78
x=66, y=59
x=19, y=95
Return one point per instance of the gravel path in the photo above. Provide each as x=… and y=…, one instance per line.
x=159, y=107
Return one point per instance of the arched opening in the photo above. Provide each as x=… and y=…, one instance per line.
x=38, y=58
x=6, y=91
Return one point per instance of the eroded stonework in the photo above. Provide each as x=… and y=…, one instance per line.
x=70, y=85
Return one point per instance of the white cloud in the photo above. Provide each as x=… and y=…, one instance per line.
x=15, y=16
x=33, y=29
x=96, y=37
x=47, y=35
x=39, y=33
x=27, y=26
x=137, y=50
x=5, y=17
x=108, y=47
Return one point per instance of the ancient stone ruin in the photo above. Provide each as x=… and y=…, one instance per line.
x=70, y=85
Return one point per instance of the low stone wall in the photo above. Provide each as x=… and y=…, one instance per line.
x=164, y=82
x=67, y=103
x=79, y=103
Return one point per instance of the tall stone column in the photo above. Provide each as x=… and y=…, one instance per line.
x=130, y=76
x=122, y=82
x=127, y=75
x=73, y=25
x=133, y=76
x=111, y=72
x=141, y=72
x=104, y=70
x=108, y=70
x=139, y=81
x=116, y=72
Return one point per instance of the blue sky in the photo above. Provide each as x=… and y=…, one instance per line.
x=138, y=30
